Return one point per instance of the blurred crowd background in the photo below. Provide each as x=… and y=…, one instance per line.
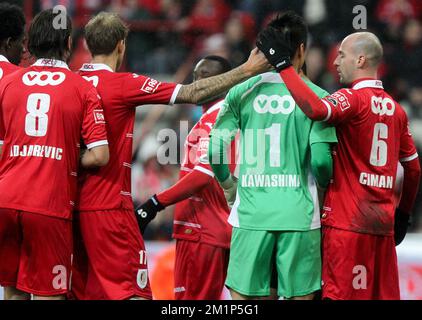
x=169, y=36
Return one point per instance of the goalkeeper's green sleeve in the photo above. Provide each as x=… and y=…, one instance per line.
x=322, y=163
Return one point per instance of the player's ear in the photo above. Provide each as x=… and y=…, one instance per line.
x=302, y=51
x=121, y=45
x=361, y=60
x=69, y=44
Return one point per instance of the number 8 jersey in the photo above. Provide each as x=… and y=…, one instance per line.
x=373, y=135
x=45, y=110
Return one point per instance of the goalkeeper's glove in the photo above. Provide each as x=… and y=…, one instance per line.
x=401, y=223
x=147, y=211
x=275, y=45
x=230, y=187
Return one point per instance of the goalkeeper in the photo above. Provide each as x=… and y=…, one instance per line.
x=284, y=157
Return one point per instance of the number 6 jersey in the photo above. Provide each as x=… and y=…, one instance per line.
x=373, y=135
x=45, y=110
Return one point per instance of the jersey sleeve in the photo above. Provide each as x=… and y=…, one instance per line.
x=407, y=146
x=203, y=165
x=94, y=131
x=139, y=89
x=322, y=132
x=223, y=132
x=342, y=106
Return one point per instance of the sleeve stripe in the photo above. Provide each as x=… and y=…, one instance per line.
x=203, y=170
x=97, y=144
x=1, y=142
x=329, y=110
x=175, y=93
x=412, y=157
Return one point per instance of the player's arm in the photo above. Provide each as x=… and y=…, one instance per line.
x=277, y=52
x=94, y=132
x=221, y=136
x=95, y=157
x=204, y=89
x=186, y=187
x=411, y=176
x=321, y=163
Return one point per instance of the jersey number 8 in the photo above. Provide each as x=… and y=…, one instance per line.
x=36, y=120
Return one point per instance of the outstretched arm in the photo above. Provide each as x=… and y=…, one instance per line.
x=204, y=89
x=190, y=184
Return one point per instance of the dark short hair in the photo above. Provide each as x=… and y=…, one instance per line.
x=224, y=63
x=293, y=26
x=103, y=32
x=44, y=39
x=12, y=22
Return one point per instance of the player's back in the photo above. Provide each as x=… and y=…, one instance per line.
x=373, y=136
x=202, y=217
x=275, y=178
x=109, y=187
x=42, y=113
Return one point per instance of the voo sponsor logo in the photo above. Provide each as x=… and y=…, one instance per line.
x=274, y=104
x=43, y=78
x=382, y=106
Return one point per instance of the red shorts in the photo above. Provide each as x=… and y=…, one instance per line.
x=357, y=266
x=109, y=260
x=200, y=271
x=35, y=252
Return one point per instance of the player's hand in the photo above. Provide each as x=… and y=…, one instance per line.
x=147, y=211
x=276, y=47
x=401, y=223
x=257, y=63
x=230, y=188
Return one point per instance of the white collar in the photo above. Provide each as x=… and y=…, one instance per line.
x=368, y=84
x=51, y=63
x=95, y=67
x=3, y=58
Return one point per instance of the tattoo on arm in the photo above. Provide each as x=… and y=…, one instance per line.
x=208, y=88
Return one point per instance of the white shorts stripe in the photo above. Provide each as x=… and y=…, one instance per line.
x=188, y=224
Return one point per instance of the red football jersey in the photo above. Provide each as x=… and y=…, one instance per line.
x=6, y=67
x=373, y=136
x=45, y=111
x=109, y=187
x=202, y=217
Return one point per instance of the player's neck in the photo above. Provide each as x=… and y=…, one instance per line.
x=109, y=60
x=365, y=74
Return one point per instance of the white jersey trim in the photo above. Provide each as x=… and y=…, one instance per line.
x=328, y=109
x=1, y=142
x=175, y=93
x=316, y=220
x=203, y=170
x=3, y=58
x=188, y=224
x=233, y=219
x=51, y=63
x=216, y=106
x=407, y=159
x=97, y=144
x=95, y=67
x=368, y=84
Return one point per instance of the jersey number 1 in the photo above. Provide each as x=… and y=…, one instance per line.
x=36, y=120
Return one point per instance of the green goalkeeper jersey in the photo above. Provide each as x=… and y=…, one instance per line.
x=276, y=189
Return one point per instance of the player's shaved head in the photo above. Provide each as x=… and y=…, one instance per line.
x=368, y=45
